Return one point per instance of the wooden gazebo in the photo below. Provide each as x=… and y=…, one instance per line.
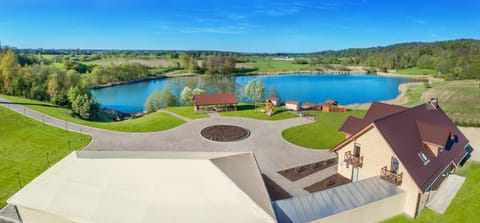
x=215, y=102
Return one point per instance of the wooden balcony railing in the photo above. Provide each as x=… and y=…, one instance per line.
x=391, y=177
x=355, y=161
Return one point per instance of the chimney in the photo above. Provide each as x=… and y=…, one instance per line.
x=434, y=103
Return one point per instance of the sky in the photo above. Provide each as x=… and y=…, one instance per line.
x=240, y=26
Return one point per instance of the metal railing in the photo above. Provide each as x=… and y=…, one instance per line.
x=355, y=161
x=390, y=176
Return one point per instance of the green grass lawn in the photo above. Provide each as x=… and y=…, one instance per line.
x=58, y=65
x=25, y=146
x=414, y=95
x=248, y=111
x=264, y=65
x=464, y=207
x=157, y=121
x=459, y=99
x=417, y=71
x=323, y=133
x=185, y=111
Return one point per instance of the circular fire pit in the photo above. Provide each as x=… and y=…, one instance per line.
x=225, y=133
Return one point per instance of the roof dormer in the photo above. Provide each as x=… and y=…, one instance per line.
x=434, y=137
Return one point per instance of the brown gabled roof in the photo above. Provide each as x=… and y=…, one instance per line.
x=273, y=99
x=351, y=138
x=214, y=99
x=433, y=134
x=401, y=132
x=330, y=102
x=308, y=105
x=379, y=110
x=353, y=124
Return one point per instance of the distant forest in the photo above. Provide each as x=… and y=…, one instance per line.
x=455, y=59
x=452, y=60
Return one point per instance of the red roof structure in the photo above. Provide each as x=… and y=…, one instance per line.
x=273, y=99
x=292, y=102
x=214, y=99
x=379, y=110
x=407, y=130
x=353, y=125
x=376, y=111
x=330, y=102
x=308, y=105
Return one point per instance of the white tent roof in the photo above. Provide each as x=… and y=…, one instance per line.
x=150, y=187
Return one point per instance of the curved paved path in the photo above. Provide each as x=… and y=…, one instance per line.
x=272, y=152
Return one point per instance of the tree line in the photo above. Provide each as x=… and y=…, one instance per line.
x=254, y=91
x=216, y=64
x=46, y=83
x=454, y=59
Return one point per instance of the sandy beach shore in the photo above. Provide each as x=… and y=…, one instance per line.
x=399, y=100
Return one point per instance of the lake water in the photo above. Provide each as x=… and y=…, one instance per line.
x=346, y=89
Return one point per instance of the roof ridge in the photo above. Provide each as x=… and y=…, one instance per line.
x=397, y=113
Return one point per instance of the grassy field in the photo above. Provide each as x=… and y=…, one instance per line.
x=28, y=147
x=464, y=207
x=154, y=62
x=157, y=121
x=185, y=111
x=265, y=65
x=248, y=111
x=58, y=65
x=460, y=99
x=417, y=71
x=323, y=133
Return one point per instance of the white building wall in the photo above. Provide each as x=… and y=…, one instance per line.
x=34, y=216
x=373, y=212
x=292, y=106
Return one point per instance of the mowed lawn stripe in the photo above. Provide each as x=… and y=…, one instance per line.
x=156, y=121
x=323, y=133
x=28, y=147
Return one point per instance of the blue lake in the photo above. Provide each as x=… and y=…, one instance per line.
x=346, y=89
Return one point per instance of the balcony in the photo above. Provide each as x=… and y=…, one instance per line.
x=355, y=161
x=391, y=177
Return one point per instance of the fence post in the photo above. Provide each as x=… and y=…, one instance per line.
x=18, y=179
x=48, y=159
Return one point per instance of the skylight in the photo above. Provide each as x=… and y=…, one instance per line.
x=423, y=158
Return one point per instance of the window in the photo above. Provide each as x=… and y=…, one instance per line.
x=356, y=151
x=423, y=158
x=394, y=165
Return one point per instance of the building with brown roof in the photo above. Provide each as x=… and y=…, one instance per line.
x=215, y=102
x=308, y=106
x=292, y=105
x=275, y=101
x=412, y=148
x=332, y=106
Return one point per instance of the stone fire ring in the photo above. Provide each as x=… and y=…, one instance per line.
x=225, y=133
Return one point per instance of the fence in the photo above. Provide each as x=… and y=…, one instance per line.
x=28, y=148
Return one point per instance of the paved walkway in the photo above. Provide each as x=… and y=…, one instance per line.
x=272, y=152
x=473, y=135
x=9, y=215
x=445, y=194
